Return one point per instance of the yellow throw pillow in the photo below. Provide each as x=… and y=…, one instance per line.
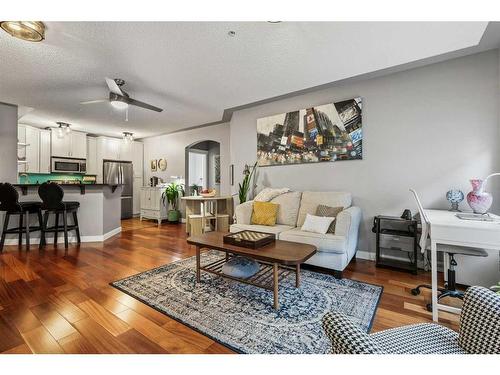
x=264, y=213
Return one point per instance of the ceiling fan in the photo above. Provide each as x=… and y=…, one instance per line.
x=119, y=98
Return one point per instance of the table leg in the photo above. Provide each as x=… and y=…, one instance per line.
x=275, y=285
x=202, y=212
x=297, y=276
x=198, y=264
x=434, y=282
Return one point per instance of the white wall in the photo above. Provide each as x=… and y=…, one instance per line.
x=430, y=128
x=172, y=147
x=8, y=143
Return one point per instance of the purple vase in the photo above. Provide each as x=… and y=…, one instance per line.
x=479, y=200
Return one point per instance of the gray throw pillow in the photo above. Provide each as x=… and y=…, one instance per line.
x=241, y=267
x=328, y=211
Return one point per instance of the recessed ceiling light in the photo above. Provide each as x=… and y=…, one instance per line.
x=231, y=33
x=31, y=31
x=274, y=21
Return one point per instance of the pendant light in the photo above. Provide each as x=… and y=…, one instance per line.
x=31, y=31
x=63, y=130
x=128, y=137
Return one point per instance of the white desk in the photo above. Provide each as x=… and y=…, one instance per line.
x=446, y=228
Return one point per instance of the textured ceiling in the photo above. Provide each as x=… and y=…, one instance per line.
x=194, y=70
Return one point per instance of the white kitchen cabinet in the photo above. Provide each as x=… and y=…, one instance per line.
x=116, y=149
x=109, y=148
x=72, y=145
x=21, y=149
x=137, y=195
x=152, y=206
x=91, y=155
x=126, y=151
x=138, y=158
x=59, y=146
x=78, y=145
x=44, y=161
x=32, y=149
x=28, y=149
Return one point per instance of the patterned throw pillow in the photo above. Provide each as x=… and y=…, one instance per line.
x=328, y=211
x=264, y=213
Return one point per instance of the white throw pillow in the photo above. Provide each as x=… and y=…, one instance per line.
x=317, y=224
x=269, y=193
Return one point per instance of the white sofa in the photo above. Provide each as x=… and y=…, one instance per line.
x=335, y=251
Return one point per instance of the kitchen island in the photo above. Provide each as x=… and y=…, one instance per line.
x=99, y=215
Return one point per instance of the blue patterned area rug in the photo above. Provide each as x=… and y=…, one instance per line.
x=242, y=316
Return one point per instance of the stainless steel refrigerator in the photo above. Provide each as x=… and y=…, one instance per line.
x=121, y=172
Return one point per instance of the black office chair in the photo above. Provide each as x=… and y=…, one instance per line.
x=52, y=196
x=9, y=202
x=449, y=289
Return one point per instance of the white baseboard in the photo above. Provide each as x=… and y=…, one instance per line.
x=365, y=255
x=71, y=238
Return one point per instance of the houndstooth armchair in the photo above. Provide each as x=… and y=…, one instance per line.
x=479, y=332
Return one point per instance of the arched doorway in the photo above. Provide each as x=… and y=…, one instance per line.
x=203, y=166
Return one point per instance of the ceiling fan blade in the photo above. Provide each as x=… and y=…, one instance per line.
x=94, y=101
x=113, y=87
x=144, y=105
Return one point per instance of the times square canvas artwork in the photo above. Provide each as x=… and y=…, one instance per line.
x=329, y=132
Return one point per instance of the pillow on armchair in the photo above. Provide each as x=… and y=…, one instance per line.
x=264, y=213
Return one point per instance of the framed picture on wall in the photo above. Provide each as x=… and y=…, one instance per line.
x=162, y=164
x=154, y=165
x=324, y=133
x=217, y=169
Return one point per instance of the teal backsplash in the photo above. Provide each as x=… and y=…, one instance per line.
x=40, y=178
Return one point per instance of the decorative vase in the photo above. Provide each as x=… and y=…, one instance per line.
x=479, y=200
x=454, y=197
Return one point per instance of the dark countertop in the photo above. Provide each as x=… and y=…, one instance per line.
x=82, y=187
x=21, y=185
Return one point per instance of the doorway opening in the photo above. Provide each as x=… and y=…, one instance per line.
x=202, y=166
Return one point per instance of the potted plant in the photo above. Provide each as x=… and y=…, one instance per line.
x=171, y=196
x=244, y=187
x=194, y=189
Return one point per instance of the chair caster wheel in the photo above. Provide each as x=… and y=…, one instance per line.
x=429, y=307
x=415, y=292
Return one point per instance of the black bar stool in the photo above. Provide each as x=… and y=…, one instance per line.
x=9, y=202
x=52, y=196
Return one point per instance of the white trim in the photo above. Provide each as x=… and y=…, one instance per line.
x=365, y=255
x=71, y=238
x=111, y=233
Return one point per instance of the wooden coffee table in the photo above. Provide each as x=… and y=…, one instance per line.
x=277, y=260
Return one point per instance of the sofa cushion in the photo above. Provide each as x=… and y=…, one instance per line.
x=267, y=194
x=264, y=213
x=289, y=207
x=277, y=229
x=328, y=211
x=328, y=242
x=317, y=224
x=312, y=199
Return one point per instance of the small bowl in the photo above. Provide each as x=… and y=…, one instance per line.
x=209, y=195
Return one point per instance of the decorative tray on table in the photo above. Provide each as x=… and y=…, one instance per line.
x=478, y=217
x=249, y=239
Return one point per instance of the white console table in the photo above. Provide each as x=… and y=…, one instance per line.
x=447, y=228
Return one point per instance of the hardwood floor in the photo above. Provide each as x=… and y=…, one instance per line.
x=57, y=302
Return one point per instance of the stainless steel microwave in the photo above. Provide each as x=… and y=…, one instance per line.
x=68, y=165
